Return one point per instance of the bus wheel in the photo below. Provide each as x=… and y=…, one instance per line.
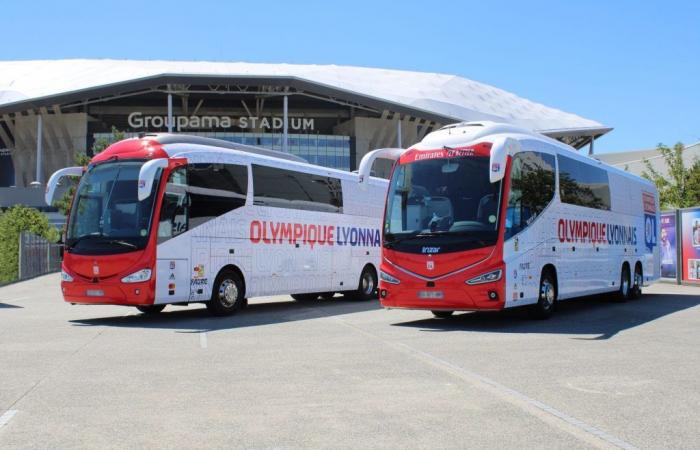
x=227, y=296
x=637, y=281
x=625, y=291
x=367, y=287
x=304, y=297
x=442, y=314
x=548, y=296
x=151, y=309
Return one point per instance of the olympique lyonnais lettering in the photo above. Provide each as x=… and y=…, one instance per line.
x=262, y=231
x=596, y=232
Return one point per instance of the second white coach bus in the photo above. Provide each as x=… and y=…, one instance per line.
x=486, y=216
x=175, y=219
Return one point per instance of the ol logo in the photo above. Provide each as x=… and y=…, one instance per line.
x=650, y=231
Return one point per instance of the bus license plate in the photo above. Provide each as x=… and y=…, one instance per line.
x=95, y=293
x=430, y=294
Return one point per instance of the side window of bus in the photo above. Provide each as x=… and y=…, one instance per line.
x=174, y=210
x=215, y=189
x=199, y=193
x=281, y=188
x=583, y=184
x=531, y=189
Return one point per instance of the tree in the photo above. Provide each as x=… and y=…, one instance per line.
x=82, y=159
x=12, y=222
x=681, y=187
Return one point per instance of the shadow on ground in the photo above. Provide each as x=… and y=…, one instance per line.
x=596, y=316
x=8, y=306
x=196, y=319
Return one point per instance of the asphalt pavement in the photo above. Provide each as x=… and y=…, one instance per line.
x=345, y=374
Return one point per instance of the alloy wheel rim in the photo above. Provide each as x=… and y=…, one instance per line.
x=547, y=294
x=367, y=284
x=228, y=293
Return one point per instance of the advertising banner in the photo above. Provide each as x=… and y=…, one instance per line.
x=690, y=258
x=668, y=245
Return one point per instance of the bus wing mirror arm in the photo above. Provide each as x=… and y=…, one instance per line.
x=147, y=174
x=500, y=149
x=56, y=179
x=365, y=169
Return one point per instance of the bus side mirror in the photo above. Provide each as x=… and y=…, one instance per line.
x=147, y=174
x=368, y=160
x=500, y=149
x=55, y=180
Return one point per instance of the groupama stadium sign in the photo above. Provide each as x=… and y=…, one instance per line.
x=138, y=120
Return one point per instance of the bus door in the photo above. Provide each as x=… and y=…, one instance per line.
x=172, y=253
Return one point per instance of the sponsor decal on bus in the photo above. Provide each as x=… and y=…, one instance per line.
x=268, y=232
x=585, y=231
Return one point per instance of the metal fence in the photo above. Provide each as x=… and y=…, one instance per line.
x=37, y=256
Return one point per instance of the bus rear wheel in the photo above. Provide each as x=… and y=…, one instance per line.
x=367, y=286
x=625, y=291
x=442, y=314
x=637, y=281
x=151, y=309
x=547, y=298
x=228, y=294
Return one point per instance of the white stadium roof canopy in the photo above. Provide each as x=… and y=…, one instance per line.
x=447, y=98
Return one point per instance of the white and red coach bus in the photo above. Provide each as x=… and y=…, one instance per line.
x=176, y=219
x=486, y=216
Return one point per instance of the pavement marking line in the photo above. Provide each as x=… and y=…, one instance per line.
x=548, y=414
x=5, y=418
x=203, y=339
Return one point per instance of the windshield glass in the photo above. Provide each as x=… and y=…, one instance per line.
x=107, y=216
x=446, y=203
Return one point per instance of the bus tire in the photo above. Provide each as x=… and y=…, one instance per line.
x=367, y=286
x=228, y=294
x=637, y=281
x=547, y=296
x=442, y=314
x=304, y=297
x=624, y=292
x=151, y=310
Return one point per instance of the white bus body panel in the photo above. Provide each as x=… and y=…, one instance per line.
x=582, y=268
x=192, y=260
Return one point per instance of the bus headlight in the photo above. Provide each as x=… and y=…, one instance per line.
x=65, y=277
x=487, y=277
x=137, y=277
x=388, y=278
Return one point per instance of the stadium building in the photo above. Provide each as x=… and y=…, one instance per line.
x=329, y=115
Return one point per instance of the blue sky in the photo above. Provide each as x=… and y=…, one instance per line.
x=632, y=65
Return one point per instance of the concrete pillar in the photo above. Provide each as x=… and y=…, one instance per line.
x=285, y=125
x=39, y=149
x=170, y=111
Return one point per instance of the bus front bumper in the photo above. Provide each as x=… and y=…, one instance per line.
x=450, y=294
x=107, y=293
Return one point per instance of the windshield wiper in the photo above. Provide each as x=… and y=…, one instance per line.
x=96, y=234
x=120, y=242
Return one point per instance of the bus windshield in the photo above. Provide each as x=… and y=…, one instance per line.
x=446, y=203
x=107, y=216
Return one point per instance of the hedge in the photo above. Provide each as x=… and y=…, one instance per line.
x=12, y=222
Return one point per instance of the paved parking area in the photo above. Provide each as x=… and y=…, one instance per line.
x=341, y=374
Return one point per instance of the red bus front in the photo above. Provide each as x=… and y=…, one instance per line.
x=442, y=245
x=110, y=246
